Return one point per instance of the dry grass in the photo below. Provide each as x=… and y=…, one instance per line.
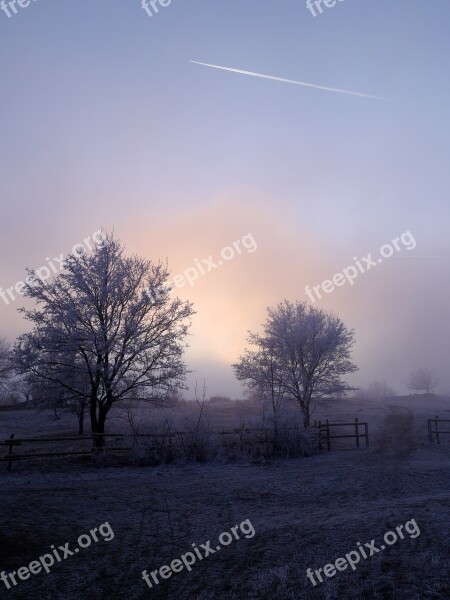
x=306, y=512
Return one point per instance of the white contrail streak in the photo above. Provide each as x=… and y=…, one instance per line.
x=310, y=85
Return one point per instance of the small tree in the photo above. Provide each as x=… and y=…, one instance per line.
x=78, y=404
x=47, y=392
x=261, y=372
x=302, y=354
x=6, y=364
x=422, y=380
x=14, y=387
x=106, y=329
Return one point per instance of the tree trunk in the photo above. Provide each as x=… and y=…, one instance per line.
x=97, y=441
x=304, y=407
x=81, y=421
x=100, y=440
x=275, y=433
x=306, y=414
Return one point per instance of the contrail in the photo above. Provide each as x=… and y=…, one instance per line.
x=310, y=85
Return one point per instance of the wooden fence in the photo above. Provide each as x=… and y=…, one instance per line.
x=84, y=445
x=435, y=431
x=326, y=433
x=158, y=442
x=16, y=442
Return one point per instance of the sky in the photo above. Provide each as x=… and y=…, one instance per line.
x=106, y=122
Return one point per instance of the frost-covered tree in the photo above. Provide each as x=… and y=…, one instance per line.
x=422, y=380
x=14, y=386
x=106, y=329
x=260, y=370
x=6, y=365
x=10, y=384
x=48, y=393
x=78, y=404
x=303, y=353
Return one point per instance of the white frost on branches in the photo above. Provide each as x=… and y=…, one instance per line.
x=302, y=354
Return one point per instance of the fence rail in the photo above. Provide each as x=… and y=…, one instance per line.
x=325, y=433
x=320, y=435
x=436, y=431
x=171, y=437
x=13, y=443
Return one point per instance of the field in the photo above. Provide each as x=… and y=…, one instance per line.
x=306, y=512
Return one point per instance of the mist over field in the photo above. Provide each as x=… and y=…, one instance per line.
x=224, y=324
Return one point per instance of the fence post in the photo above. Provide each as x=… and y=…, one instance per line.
x=357, y=432
x=10, y=453
x=320, y=434
x=437, y=430
x=366, y=433
x=328, y=437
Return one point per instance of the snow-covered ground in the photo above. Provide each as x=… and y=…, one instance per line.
x=306, y=512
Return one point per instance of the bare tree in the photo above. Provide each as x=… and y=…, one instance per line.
x=47, y=392
x=47, y=395
x=422, y=380
x=261, y=371
x=77, y=405
x=302, y=354
x=193, y=445
x=105, y=328
x=201, y=405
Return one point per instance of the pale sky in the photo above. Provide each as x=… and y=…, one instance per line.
x=107, y=122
